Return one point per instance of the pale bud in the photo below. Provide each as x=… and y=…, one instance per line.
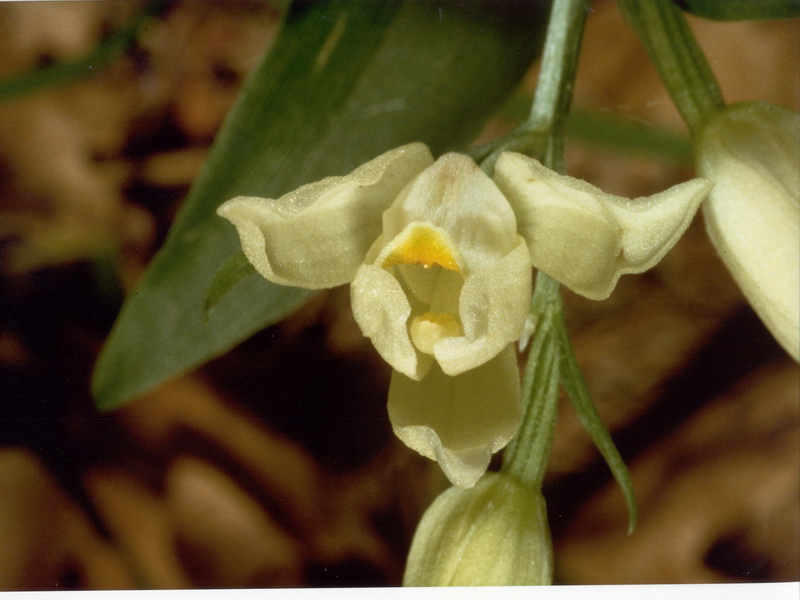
x=494, y=534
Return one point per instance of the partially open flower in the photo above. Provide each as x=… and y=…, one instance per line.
x=751, y=152
x=441, y=284
x=493, y=534
x=441, y=272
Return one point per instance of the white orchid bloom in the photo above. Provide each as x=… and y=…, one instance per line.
x=443, y=293
x=441, y=280
x=751, y=152
x=441, y=285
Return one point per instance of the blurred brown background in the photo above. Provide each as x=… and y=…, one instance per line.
x=275, y=464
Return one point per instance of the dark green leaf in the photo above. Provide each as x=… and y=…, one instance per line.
x=737, y=10
x=344, y=82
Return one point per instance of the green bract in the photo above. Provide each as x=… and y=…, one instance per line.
x=751, y=152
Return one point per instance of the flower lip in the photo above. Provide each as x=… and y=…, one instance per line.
x=422, y=244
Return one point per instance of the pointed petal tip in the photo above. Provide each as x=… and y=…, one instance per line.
x=459, y=421
x=462, y=467
x=586, y=238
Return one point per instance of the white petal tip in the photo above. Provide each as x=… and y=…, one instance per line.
x=462, y=467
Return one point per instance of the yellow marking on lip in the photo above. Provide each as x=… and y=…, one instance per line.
x=423, y=245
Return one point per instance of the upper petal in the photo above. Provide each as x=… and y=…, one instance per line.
x=454, y=196
x=316, y=236
x=459, y=421
x=586, y=238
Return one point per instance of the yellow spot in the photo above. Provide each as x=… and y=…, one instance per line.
x=429, y=328
x=423, y=245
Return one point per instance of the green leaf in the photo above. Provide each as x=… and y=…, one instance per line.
x=344, y=82
x=737, y=10
x=231, y=273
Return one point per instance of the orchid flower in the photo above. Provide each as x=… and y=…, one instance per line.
x=751, y=151
x=439, y=257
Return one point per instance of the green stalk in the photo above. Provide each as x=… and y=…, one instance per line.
x=542, y=135
x=680, y=62
x=553, y=95
x=551, y=360
x=527, y=454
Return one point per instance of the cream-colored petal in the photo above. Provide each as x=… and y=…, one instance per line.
x=493, y=307
x=751, y=152
x=651, y=226
x=459, y=421
x=455, y=197
x=316, y=236
x=586, y=238
x=381, y=309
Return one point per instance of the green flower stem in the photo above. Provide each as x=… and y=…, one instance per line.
x=551, y=360
x=683, y=68
x=553, y=95
x=542, y=134
x=527, y=454
x=65, y=72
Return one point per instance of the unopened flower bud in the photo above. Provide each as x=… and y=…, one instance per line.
x=495, y=533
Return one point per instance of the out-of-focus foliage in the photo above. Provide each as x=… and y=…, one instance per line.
x=739, y=10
